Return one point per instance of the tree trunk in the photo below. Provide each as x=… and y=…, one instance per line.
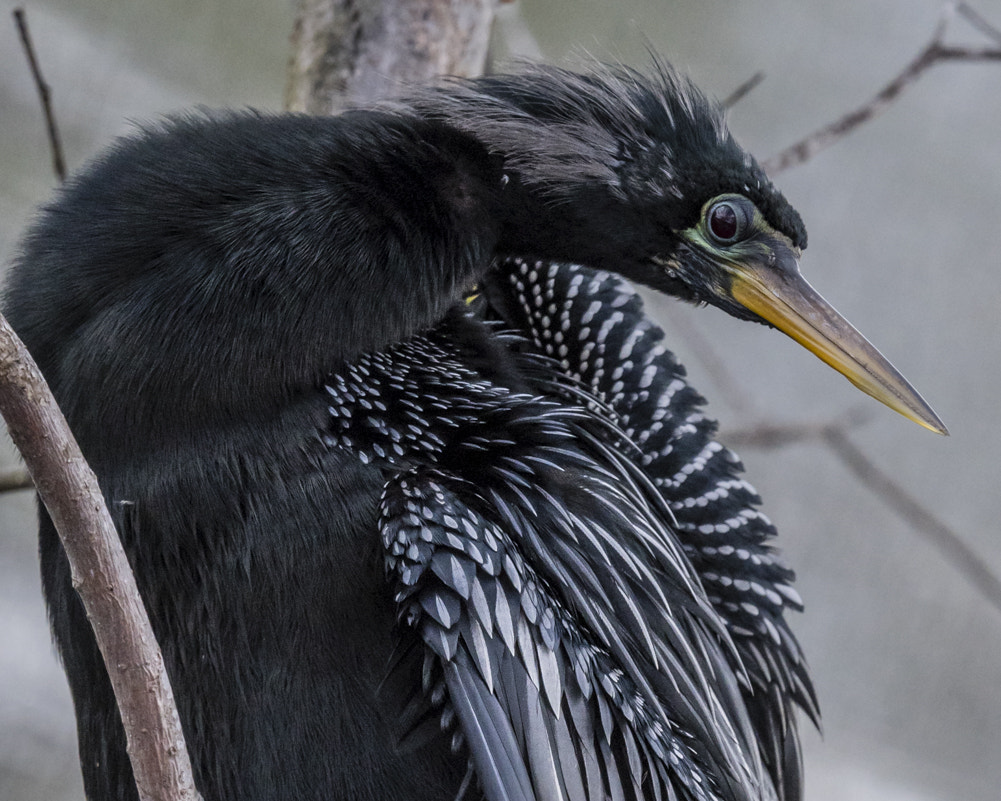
x=351, y=52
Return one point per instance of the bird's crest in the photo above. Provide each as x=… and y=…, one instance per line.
x=642, y=137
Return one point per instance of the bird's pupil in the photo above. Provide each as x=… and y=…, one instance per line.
x=723, y=222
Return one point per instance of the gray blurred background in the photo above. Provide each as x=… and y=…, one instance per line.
x=904, y=218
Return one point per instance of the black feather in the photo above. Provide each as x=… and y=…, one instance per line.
x=256, y=327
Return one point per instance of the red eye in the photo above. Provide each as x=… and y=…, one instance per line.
x=724, y=222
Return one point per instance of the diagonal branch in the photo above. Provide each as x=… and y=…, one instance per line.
x=101, y=575
x=834, y=435
x=935, y=52
x=743, y=90
x=100, y=570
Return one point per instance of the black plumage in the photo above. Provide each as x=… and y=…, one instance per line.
x=414, y=493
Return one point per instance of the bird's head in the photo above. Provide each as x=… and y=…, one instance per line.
x=639, y=175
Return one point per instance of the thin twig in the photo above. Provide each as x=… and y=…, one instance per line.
x=17, y=479
x=979, y=22
x=771, y=435
x=44, y=94
x=934, y=52
x=743, y=90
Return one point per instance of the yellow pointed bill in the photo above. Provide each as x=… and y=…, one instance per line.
x=785, y=299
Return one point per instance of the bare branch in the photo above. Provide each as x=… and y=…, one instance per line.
x=771, y=435
x=44, y=94
x=16, y=479
x=743, y=90
x=933, y=53
x=101, y=575
x=979, y=22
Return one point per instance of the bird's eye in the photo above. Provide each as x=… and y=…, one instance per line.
x=726, y=221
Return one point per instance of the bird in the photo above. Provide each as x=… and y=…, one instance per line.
x=419, y=501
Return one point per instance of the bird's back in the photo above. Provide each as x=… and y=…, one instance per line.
x=185, y=341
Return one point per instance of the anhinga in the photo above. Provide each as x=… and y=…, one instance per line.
x=417, y=499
